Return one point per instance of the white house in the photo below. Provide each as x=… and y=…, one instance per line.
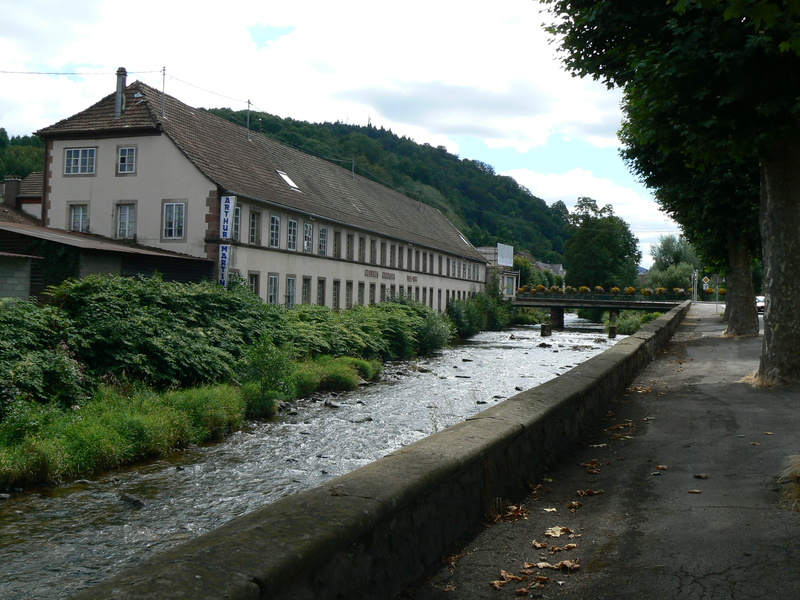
x=140, y=165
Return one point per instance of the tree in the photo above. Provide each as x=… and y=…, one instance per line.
x=716, y=202
x=673, y=250
x=601, y=249
x=731, y=87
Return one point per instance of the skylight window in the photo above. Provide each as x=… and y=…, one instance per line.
x=288, y=180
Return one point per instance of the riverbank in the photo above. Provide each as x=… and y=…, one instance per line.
x=194, y=491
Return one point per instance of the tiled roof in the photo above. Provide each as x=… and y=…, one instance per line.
x=32, y=186
x=248, y=167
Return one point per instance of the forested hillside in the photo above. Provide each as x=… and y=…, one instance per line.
x=20, y=155
x=487, y=207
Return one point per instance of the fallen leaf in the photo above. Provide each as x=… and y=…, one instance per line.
x=539, y=544
x=574, y=505
x=505, y=578
x=541, y=579
x=557, y=531
x=701, y=476
x=695, y=492
x=521, y=592
x=589, y=492
x=768, y=433
x=567, y=565
x=549, y=509
x=661, y=467
x=754, y=444
x=570, y=546
x=598, y=445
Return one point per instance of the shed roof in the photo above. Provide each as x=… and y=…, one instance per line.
x=87, y=241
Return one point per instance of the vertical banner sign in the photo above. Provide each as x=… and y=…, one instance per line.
x=226, y=211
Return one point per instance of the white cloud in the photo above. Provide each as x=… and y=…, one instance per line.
x=635, y=207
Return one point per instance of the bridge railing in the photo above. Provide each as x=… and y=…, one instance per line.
x=605, y=297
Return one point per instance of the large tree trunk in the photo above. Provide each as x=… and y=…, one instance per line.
x=780, y=238
x=740, y=296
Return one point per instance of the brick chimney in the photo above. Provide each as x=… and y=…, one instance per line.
x=12, y=185
x=119, y=104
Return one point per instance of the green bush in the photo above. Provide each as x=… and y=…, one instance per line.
x=166, y=334
x=630, y=321
x=261, y=404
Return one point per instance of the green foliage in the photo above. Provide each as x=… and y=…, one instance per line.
x=529, y=316
x=44, y=443
x=20, y=155
x=36, y=360
x=601, y=250
x=161, y=333
x=480, y=312
x=674, y=276
x=630, y=321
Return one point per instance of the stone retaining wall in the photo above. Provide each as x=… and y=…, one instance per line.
x=370, y=533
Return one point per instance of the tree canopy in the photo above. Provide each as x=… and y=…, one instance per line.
x=722, y=75
x=601, y=249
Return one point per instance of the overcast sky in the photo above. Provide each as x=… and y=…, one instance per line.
x=479, y=78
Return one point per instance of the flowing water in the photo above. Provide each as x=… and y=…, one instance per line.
x=57, y=540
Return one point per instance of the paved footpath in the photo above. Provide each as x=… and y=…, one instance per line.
x=690, y=505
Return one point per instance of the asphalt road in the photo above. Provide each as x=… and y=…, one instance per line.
x=690, y=508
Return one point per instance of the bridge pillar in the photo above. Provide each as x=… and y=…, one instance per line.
x=557, y=317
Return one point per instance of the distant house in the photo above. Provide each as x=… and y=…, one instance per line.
x=24, y=195
x=140, y=166
x=500, y=270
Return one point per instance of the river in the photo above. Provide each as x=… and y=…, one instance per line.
x=57, y=540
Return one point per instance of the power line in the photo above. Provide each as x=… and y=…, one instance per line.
x=73, y=73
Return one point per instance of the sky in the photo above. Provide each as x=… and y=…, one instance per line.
x=479, y=78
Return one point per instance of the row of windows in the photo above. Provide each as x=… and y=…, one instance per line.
x=173, y=219
x=386, y=254
x=83, y=161
x=376, y=294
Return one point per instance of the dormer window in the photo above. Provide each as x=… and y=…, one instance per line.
x=288, y=180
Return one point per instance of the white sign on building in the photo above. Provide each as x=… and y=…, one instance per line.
x=505, y=255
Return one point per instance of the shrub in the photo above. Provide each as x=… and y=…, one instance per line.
x=647, y=292
x=260, y=404
x=583, y=290
x=630, y=290
x=615, y=290
x=598, y=289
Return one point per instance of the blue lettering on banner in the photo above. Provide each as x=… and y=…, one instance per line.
x=224, y=255
x=226, y=211
x=227, y=205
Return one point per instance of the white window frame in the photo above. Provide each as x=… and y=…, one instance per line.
x=173, y=224
x=126, y=160
x=125, y=221
x=254, y=282
x=79, y=217
x=274, y=231
x=273, y=288
x=237, y=223
x=291, y=290
x=322, y=241
x=254, y=228
x=308, y=237
x=80, y=161
x=291, y=235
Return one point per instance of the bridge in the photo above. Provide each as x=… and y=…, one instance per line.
x=613, y=303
